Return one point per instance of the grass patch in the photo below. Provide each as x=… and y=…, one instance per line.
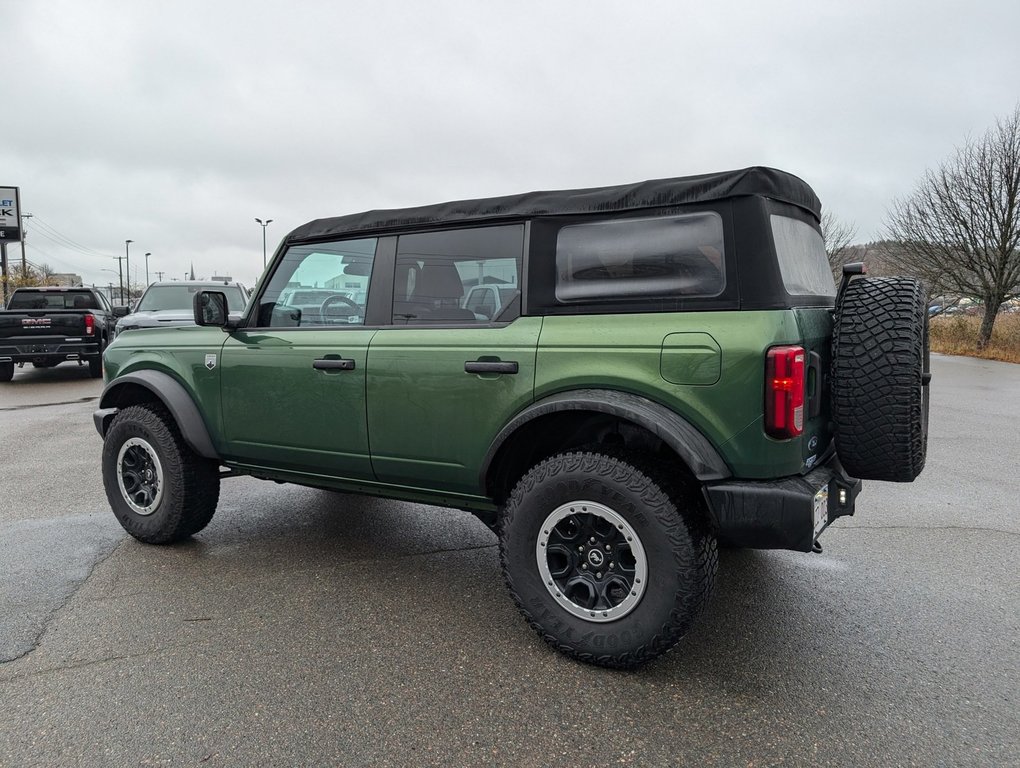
x=958, y=334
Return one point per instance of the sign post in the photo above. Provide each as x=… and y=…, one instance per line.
x=10, y=227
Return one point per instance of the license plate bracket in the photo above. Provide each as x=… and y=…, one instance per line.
x=820, y=514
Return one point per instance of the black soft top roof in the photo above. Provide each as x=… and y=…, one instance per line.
x=657, y=193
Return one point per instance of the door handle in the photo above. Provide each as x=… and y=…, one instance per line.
x=332, y=364
x=491, y=366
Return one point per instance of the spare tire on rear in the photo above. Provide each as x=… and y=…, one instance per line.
x=880, y=373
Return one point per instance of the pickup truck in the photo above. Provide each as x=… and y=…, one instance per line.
x=48, y=326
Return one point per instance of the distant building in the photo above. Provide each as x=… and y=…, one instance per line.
x=65, y=279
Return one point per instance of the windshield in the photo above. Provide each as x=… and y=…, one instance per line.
x=181, y=297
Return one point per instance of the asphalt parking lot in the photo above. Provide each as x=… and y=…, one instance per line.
x=311, y=628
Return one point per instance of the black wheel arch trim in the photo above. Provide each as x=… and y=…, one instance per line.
x=173, y=395
x=679, y=434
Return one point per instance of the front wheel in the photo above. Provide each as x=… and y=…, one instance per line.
x=605, y=560
x=158, y=488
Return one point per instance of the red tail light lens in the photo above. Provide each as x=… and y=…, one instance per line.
x=90, y=325
x=784, y=392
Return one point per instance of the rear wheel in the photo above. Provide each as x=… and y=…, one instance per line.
x=158, y=488
x=607, y=563
x=880, y=374
x=6, y=371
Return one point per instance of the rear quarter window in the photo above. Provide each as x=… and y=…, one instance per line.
x=802, y=260
x=668, y=256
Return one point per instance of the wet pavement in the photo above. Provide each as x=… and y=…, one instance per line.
x=312, y=628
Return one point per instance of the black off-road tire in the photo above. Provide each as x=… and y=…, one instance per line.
x=672, y=531
x=880, y=374
x=181, y=491
x=6, y=371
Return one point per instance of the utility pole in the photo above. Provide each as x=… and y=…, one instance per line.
x=24, y=234
x=120, y=276
x=159, y=276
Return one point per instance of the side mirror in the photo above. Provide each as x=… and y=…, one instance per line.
x=210, y=308
x=121, y=311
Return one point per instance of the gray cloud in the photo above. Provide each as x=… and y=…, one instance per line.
x=175, y=124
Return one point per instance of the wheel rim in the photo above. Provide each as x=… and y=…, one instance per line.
x=140, y=476
x=591, y=561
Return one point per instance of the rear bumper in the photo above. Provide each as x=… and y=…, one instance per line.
x=780, y=514
x=29, y=352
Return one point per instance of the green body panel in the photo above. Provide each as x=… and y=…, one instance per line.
x=280, y=411
x=430, y=422
x=179, y=352
x=632, y=352
x=408, y=422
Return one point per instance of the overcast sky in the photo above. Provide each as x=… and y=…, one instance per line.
x=175, y=124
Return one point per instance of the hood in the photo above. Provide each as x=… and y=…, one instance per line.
x=159, y=318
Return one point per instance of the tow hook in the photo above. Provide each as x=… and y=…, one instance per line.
x=816, y=548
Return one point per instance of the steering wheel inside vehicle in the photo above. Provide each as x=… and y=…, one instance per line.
x=332, y=309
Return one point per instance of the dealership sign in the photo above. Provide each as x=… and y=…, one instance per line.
x=10, y=221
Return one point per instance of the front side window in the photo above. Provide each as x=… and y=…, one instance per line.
x=325, y=284
x=802, y=260
x=439, y=275
x=662, y=257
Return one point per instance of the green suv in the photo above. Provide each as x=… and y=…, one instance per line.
x=669, y=368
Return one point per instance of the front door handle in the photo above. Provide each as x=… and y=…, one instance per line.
x=491, y=366
x=332, y=364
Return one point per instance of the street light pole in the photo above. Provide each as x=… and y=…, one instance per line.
x=264, y=224
x=127, y=268
x=147, y=269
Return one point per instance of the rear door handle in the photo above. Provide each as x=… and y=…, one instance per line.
x=491, y=366
x=332, y=364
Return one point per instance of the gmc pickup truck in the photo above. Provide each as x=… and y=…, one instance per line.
x=48, y=326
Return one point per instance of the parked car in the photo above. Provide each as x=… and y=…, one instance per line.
x=679, y=370
x=46, y=326
x=489, y=301
x=170, y=303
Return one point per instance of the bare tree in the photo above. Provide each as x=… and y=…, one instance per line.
x=838, y=237
x=960, y=228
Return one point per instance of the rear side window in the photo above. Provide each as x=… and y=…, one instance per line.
x=802, y=260
x=669, y=256
x=439, y=274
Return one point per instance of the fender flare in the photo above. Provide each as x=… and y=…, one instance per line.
x=679, y=434
x=172, y=394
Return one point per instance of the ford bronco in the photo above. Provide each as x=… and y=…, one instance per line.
x=671, y=368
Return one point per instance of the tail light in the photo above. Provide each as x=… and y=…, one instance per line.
x=784, y=392
x=90, y=325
